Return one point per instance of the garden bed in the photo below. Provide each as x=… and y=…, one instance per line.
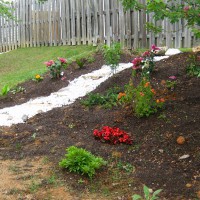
x=154, y=157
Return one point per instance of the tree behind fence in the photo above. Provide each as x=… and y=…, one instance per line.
x=75, y=22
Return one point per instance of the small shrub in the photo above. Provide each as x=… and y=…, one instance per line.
x=55, y=67
x=147, y=195
x=112, y=135
x=112, y=55
x=145, y=64
x=90, y=59
x=142, y=98
x=5, y=90
x=81, y=161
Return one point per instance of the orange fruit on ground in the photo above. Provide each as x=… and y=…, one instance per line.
x=180, y=140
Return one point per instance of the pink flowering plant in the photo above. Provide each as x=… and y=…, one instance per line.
x=55, y=67
x=112, y=135
x=145, y=64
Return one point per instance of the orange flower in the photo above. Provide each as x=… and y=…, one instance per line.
x=153, y=91
x=147, y=84
x=162, y=100
x=37, y=76
x=141, y=94
x=157, y=101
x=120, y=95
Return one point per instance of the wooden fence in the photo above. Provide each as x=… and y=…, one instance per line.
x=75, y=22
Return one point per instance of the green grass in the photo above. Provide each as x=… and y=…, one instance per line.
x=23, y=64
x=186, y=49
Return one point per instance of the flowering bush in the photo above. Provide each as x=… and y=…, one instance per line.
x=145, y=64
x=143, y=99
x=55, y=67
x=112, y=135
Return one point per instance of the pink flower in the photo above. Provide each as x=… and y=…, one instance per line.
x=146, y=54
x=137, y=62
x=63, y=60
x=172, y=77
x=154, y=47
x=49, y=63
x=186, y=8
x=63, y=78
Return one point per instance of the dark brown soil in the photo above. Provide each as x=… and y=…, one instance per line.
x=154, y=152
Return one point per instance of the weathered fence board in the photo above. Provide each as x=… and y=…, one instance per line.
x=75, y=22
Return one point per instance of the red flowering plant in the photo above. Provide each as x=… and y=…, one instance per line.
x=55, y=67
x=112, y=135
x=145, y=64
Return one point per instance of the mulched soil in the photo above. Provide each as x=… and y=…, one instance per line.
x=154, y=152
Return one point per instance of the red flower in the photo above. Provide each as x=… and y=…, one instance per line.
x=137, y=62
x=154, y=47
x=113, y=135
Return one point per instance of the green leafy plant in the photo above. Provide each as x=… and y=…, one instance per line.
x=18, y=89
x=193, y=67
x=142, y=98
x=5, y=90
x=55, y=67
x=147, y=194
x=107, y=101
x=112, y=55
x=90, y=59
x=80, y=161
x=80, y=62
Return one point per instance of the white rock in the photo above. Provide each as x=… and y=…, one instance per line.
x=172, y=51
x=184, y=157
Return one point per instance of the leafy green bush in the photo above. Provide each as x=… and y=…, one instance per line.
x=107, y=101
x=112, y=55
x=81, y=161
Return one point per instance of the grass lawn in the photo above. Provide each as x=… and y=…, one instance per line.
x=22, y=64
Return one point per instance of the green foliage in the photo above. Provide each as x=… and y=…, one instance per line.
x=18, y=89
x=5, y=9
x=142, y=99
x=5, y=90
x=171, y=85
x=189, y=11
x=107, y=101
x=80, y=161
x=193, y=68
x=112, y=55
x=80, y=62
x=147, y=195
x=90, y=59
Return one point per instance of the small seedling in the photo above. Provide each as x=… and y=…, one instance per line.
x=147, y=194
x=5, y=90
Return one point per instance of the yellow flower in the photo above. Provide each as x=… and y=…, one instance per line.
x=37, y=76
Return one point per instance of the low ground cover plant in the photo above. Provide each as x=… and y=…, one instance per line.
x=108, y=100
x=38, y=78
x=112, y=135
x=55, y=67
x=80, y=161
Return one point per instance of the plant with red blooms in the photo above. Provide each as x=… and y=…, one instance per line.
x=55, y=67
x=145, y=64
x=112, y=135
